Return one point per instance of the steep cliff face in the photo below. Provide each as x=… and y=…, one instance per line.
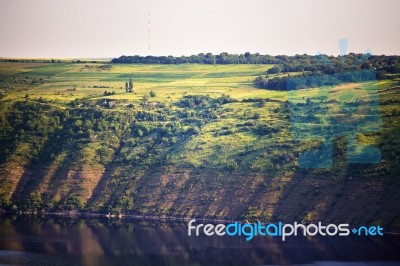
x=158, y=162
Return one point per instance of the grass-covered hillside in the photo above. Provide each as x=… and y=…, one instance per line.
x=190, y=140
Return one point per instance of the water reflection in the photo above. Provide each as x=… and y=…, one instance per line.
x=74, y=241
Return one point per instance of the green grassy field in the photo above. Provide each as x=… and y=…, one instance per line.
x=169, y=81
x=208, y=144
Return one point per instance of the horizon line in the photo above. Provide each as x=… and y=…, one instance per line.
x=113, y=57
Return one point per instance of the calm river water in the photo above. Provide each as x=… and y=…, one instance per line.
x=92, y=241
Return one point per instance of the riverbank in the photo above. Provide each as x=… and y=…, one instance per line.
x=162, y=218
x=76, y=214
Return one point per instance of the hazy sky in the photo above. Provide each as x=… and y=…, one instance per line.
x=97, y=28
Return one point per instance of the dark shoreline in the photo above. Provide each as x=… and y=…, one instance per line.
x=162, y=218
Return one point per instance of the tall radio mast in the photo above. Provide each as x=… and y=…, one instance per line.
x=149, y=32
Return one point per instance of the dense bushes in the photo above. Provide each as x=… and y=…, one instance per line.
x=204, y=101
x=322, y=70
x=313, y=80
x=208, y=58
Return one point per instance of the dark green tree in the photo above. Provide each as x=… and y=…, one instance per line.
x=34, y=201
x=274, y=70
